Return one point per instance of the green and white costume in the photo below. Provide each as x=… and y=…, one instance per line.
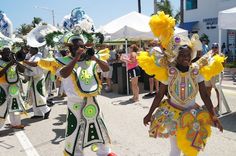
x=38, y=91
x=10, y=98
x=85, y=126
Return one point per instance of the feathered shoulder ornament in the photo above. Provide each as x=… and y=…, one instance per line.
x=210, y=66
x=103, y=54
x=49, y=64
x=162, y=26
x=157, y=64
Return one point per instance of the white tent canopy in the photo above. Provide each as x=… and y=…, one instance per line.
x=132, y=26
x=226, y=19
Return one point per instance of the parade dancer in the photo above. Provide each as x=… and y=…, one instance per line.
x=37, y=82
x=10, y=98
x=85, y=125
x=179, y=117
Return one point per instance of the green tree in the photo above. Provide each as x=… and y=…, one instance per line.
x=204, y=37
x=36, y=21
x=24, y=29
x=165, y=6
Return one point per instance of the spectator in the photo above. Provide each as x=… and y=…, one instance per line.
x=108, y=75
x=154, y=48
x=212, y=83
x=205, y=47
x=133, y=70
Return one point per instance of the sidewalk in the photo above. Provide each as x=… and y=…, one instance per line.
x=228, y=82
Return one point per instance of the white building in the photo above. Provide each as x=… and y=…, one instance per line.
x=201, y=16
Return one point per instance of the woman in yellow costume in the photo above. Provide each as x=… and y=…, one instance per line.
x=179, y=117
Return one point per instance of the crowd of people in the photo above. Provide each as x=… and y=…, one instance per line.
x=176, y=72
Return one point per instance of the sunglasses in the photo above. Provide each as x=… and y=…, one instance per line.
x=81, y=46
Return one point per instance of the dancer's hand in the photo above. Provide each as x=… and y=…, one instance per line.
x=217, y=123
x=147, y=119
x=79, y=52
x=94, y=58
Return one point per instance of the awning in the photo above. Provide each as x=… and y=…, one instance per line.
x=188, y=25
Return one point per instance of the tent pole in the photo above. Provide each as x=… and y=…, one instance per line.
x=222, y=98
x=127, y=75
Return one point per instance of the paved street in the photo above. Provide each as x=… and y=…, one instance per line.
x=124, y=123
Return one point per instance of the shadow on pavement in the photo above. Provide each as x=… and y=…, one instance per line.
x=229, y=122
x=127, y=102
x=29, y=121
x=59, y=133
x=6, y=132
x=115, y=94
x=61, y=120
x=60, y=136
x=57, y=100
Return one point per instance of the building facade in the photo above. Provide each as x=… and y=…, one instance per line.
x=201, y=16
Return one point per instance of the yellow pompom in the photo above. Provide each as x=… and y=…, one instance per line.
x=147, y=63
x=192, y=136
x=214, y=68
x=162, y=26
x=51, y=65
x=104, y=54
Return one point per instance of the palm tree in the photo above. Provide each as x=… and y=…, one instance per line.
x=165, y=6
x=36, y=21
x=24, y=29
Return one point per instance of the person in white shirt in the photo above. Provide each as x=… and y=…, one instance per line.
x=85, y=124
x=37, y=81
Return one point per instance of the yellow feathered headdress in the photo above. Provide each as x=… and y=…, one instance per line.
x=162, y=26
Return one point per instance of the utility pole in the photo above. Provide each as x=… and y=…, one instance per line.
x=53, y=18
x=139, y=6
x=155, y=6
x=181, y=11
x=48, y=9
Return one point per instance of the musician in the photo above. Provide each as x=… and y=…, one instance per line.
x=37, y=81
x=10, y=98
x=85, y=125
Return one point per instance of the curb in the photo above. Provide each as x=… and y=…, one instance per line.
x=230, y=87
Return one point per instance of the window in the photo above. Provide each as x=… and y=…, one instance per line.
x=191, y=4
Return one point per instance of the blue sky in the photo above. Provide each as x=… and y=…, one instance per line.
x=101, y=11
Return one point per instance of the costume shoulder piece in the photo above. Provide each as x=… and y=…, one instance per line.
x=151, y=64
x=103, y=54
x=210, y=66
x=11, y=76
x=49, y=64
x=84, y=76
x=2, y=65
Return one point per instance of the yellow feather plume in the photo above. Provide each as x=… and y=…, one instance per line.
x=214, y=68
x=162, y=26
x=184, y=144
x=104, y=54
x=49, y=64
x=147, y=63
